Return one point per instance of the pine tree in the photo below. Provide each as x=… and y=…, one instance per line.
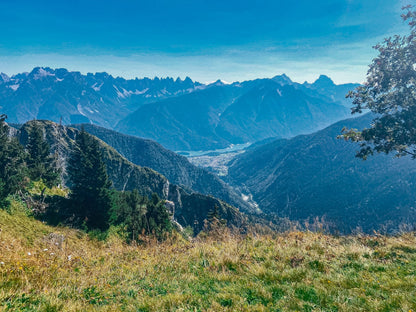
x=12, y=162
x=90, y=196
x=141, y=215
x=157, y=217
x=131, y=210
x=40, y=163
x=214, y=222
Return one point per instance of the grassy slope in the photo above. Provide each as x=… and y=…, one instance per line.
x=290, y=272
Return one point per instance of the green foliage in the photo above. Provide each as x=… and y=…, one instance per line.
x=390, y=93
x=17, y=207
x=40, y=164
x=90, y=196
x=140, y=215
x=12, y=163
x=158, y=218
x=3, y=201
x=40, y=188
x=214, y=221
x=130, y=210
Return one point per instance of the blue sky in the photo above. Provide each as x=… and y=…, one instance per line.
x=202, y=39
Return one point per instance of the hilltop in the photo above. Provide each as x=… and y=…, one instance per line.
x=44, y=268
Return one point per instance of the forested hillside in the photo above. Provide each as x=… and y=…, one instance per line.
x=177, y=169
x=318, y=175
x=126, y=176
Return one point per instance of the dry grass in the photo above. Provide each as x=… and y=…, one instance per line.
x=290, y=272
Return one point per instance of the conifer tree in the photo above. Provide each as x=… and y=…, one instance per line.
x=141, y=215
x=40, y=163
x=157, y=216
x=12, y=162
x=131, y=210
x=214, y=221
x=90, y=196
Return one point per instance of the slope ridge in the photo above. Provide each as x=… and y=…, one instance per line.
x=176, y=168
x=127, y=176
x=318, y=175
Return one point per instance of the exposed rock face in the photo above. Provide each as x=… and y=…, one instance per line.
x=187, y=206
x=58, y=94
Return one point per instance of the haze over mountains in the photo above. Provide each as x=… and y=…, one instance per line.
x=179, y=114
x=297, y=169
x=99, y=98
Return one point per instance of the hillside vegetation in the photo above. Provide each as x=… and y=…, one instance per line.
x=190, y=208
x=176, y=168
x=44, y=268
x=318, y=175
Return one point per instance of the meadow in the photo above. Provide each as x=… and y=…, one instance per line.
x=44, y=268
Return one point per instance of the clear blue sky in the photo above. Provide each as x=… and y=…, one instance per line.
x=204, y=39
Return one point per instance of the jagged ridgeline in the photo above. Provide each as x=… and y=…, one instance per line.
x=189, y=209
x=176, y=168
x=182, y=115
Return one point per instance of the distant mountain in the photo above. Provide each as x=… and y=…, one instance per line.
x=326, y=87
x=274, y=110
x=318, y=175
x=185, y=122
x=99, y=98
x=244, y=112
x=191, y=208
x=177, y=169
x=180, y=114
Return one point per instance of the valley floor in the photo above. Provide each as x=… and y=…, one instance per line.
x=44, y=268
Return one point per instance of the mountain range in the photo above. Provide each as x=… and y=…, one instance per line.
x=70, y=97
x=221, y=115
x=179, y=114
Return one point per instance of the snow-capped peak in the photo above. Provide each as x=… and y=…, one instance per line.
x=4, y=78
x=219, y=82
x=41, y=72
x=14, y=87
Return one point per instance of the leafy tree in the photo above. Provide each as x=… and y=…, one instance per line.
x=390, y=93
x=41, y=164
x=90, y=196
